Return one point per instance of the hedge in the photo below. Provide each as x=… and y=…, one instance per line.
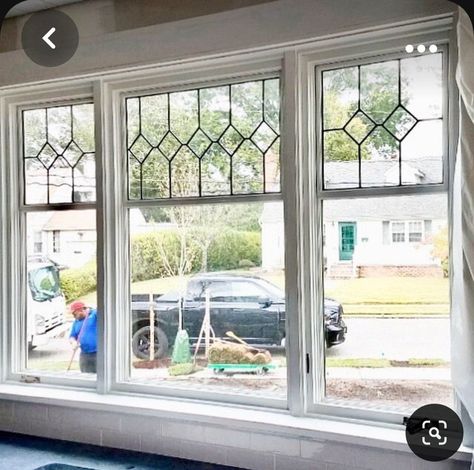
x=80, y=281
x=230, y=249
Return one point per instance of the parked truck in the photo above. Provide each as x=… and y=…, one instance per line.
x=46, y=304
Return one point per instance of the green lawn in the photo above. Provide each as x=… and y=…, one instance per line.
x=365, y=296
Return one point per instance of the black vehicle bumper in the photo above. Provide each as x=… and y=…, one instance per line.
x=336, y=334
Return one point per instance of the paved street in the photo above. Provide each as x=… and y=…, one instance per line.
x=397, y=338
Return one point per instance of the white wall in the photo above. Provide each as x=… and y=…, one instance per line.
x=101, y=48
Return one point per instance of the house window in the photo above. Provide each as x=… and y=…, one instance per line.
x=215, y=270
x=382, y=136
x=58, y=161
x=409, y=231
x=38, y=242
x=56, y=246
x=415, y=231
x=398, y=232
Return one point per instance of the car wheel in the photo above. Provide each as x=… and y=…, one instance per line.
x=141, y=343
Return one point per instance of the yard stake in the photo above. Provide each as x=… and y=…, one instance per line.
x=152, y=329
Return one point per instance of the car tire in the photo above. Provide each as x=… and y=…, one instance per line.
x=141, y=343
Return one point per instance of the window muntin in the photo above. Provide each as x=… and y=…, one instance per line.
x=382, y=123
x=58, y=153
x=220, y=140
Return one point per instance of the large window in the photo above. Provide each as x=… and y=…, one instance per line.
x=58, y=166
x=207, y=280
x=385, y=251
x=266, y=232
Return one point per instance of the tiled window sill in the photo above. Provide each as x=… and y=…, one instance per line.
x=249, y=419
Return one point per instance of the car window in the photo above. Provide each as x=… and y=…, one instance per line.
x=247, y=291
x=219, y=291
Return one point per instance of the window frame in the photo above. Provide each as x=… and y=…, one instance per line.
x=17, y=281
x=296, y=62
x=311, y=66
x=213, y=74
x=406, y=231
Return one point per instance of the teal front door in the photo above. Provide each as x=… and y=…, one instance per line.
x=347, y=240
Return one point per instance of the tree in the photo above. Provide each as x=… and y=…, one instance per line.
x=441, y=249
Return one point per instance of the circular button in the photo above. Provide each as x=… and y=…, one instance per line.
x=50, y=38
x=434, y=432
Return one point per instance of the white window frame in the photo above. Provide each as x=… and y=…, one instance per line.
x=300, y=191
x=406, y=231
x=311, y=64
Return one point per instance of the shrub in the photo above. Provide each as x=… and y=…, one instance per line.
x=79, y=281
x=230, y=247
x=246, y=264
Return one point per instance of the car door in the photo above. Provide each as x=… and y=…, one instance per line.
x=253, y=320
x=220, y=304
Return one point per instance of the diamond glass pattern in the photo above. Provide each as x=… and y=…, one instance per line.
x=400, y=123
x=58, y=152
x=359, y=127
x=220, y=140
x=369, y=111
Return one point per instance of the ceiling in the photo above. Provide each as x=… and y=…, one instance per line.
x=30, y=6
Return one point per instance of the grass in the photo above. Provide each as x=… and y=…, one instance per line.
x=406, y=296
x=390, y=290
x=374, y=363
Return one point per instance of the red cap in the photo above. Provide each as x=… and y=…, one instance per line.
x=77, y=305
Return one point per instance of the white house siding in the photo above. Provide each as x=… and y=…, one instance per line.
x=273, y=242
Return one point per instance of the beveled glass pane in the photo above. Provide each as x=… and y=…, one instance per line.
x=340, y=97
x=215, y=171
x=379, y=89
x=341, y=164
x=247, y=169
x=184, y=174
x=154, y=118
x=184, y=114
x=247, y=107
x=214, y=110
x=422, y=82
x=65, y=161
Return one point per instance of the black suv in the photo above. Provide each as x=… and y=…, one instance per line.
x=251, y=307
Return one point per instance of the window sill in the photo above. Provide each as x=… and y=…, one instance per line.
x=249, y=419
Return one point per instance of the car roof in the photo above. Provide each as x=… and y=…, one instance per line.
x=224, y=275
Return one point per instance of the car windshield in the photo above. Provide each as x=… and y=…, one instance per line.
x=44, y=283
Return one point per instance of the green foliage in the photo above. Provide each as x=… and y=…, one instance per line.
x=154, y=253
x=231, y=246
x=441, y=249
x=80, y=281
x=158, y=254
x=183, y=369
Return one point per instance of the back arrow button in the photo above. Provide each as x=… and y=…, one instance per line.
x=47, y=40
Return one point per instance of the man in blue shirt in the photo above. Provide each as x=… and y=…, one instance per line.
x=84, y=335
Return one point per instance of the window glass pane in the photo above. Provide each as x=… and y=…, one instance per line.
x=386, y=304
x=62, y=274
x=381, y=125
x=213, y=141
x=59, y=160
x=226, y=260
